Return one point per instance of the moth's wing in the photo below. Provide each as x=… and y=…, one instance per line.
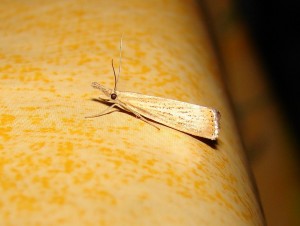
x=189, y=118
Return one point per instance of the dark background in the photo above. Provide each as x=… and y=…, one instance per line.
x=275, y=27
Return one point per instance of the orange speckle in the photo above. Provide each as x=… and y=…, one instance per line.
x=199, y=184
x=78, y=13
x=145, y=69
x=44, y=181
x=35, y=120
x=132, y=159
x=57, y=200
x=46, y=161
x=29, y=108
x=5, y=67
x=37, y=146
x=68, y=120
x=107, y=195
x=185, y=194
x=7, y=119
x=73, y=47
x=24, y=202
x=5, y=133
x=65, y=148
x=69, y=166
x=84, y=178
x=7, y=185
x=48, y=129
x=84, y=60
x=144, y=178
x=19, y=59
x=151, y=162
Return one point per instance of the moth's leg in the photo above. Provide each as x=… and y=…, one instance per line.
x=138, y=115
x=147, y=121
x=103, y=112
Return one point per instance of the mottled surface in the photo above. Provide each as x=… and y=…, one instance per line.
x=58, y=168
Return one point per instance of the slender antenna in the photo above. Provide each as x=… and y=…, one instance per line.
x=112, y=64
x=120, y=61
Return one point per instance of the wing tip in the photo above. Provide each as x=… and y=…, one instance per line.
x=217, y=116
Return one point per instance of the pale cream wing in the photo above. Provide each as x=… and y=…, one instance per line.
x=189, y=118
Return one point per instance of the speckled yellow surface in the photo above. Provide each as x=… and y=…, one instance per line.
x=58, y=168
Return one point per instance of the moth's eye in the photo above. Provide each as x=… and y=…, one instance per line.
x=113, y=96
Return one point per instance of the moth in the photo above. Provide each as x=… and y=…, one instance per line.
x=189, y=118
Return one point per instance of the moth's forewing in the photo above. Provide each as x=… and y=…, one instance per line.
x=189, y=118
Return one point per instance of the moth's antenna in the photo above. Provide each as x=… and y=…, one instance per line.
x=120, y=62
x=112, y=64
